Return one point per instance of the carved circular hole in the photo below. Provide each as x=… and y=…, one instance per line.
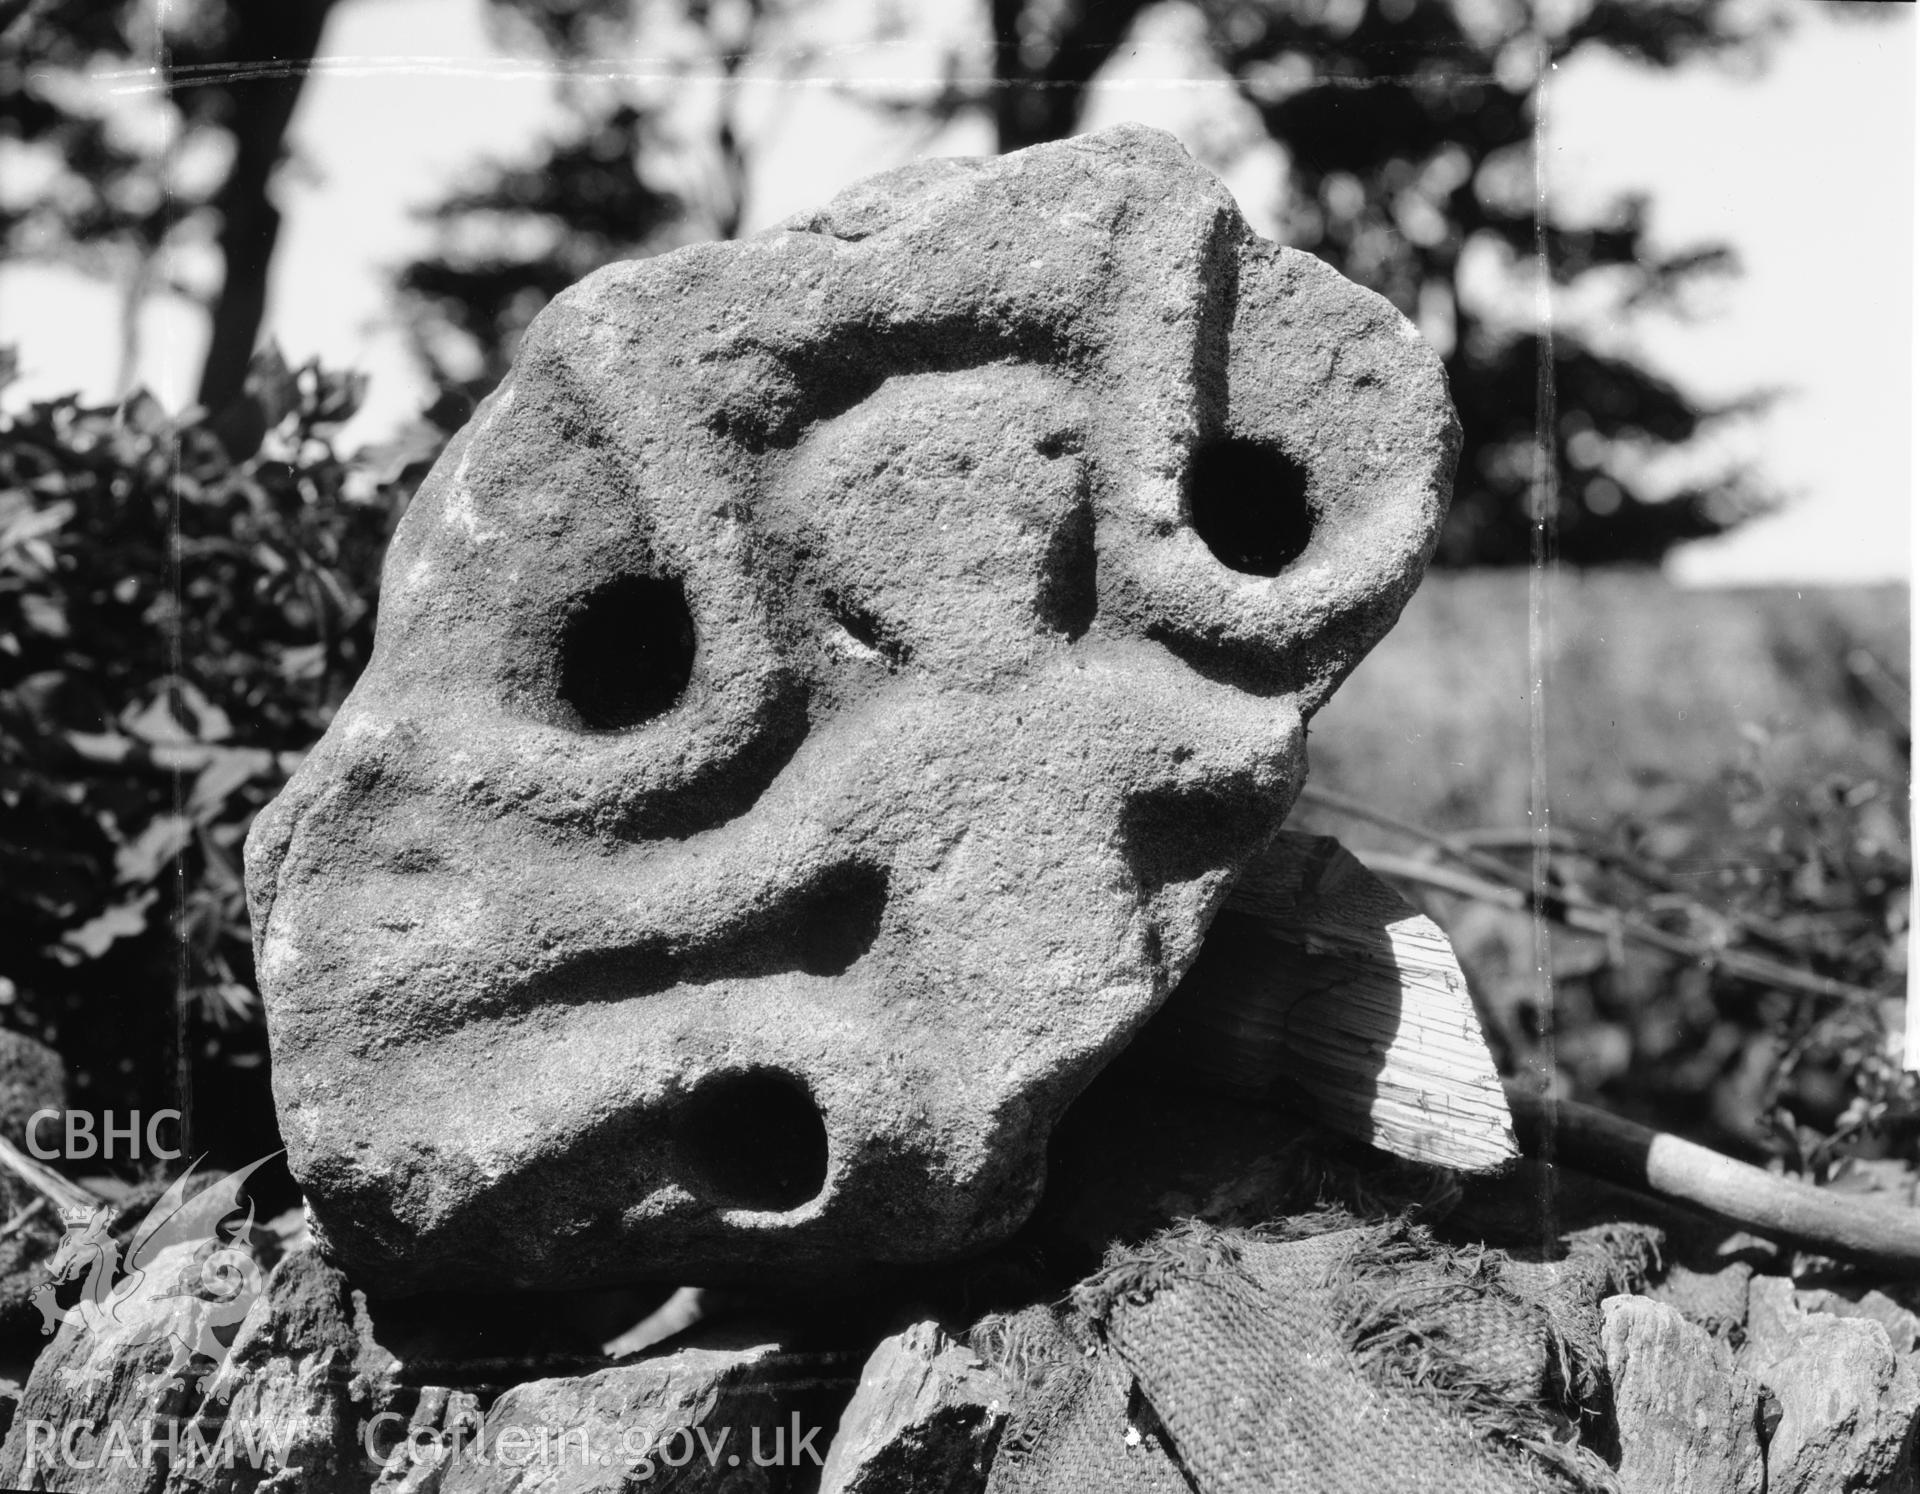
x=753, y=1140
x=627, y=653
x=1249, y=503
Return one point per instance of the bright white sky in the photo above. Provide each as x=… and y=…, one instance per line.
x=1808, y=171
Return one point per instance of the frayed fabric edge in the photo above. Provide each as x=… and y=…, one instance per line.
x=1396, y=1298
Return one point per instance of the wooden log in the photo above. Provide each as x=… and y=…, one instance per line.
x=1664, y=1164
x=1320, y=989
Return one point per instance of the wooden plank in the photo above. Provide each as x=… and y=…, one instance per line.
x=1320, y=988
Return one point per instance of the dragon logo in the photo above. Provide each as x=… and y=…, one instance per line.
x=196, y=1302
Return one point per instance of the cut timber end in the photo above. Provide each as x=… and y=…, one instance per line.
x=1319, y=988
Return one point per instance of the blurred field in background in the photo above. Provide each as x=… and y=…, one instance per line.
x=1753, y=747
x=1652, y=691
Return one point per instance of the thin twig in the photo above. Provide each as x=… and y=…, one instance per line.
x=1458, y=848
x=1882, y=684
x=1469, y=847
x=63, y=1193
x=1572, y=843
x=1611, y=923
x=1511, y=888
x=22, y=1219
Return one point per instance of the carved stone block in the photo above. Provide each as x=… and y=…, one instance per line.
x=819, y=702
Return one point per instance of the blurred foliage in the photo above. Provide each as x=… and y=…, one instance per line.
x=1747, y=862
x=1820, y=882
x=108, y=180
x=177, y=626
x=1829, y=880
x=104, y=188
x=1730, y=769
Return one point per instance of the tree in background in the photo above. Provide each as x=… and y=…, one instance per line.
x=516, y=238
x=519, y=232
x=1408, y=135
x=187, y=168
